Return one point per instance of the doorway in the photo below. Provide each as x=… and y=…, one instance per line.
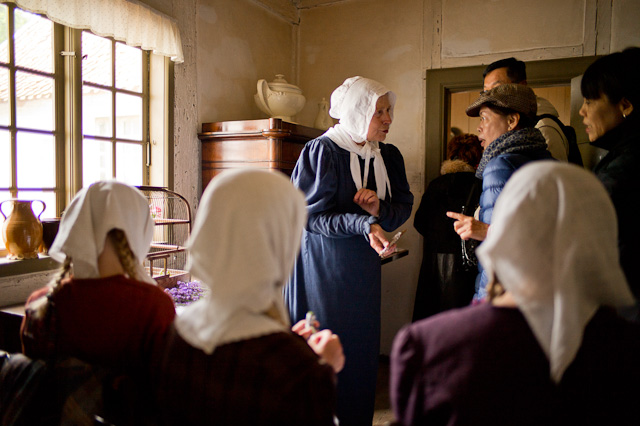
x=451, y=90
x=458, y=121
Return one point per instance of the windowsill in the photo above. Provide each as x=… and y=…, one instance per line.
x=19, y=278
x=26, y=266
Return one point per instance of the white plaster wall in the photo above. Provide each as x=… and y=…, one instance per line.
x=625, y=24
x=396, y=41
x=472, y=28
x=229, y=44
x=238, y=42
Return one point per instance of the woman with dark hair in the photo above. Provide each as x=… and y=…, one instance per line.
x=611, y=90
x=510, y=140
x=444, y=281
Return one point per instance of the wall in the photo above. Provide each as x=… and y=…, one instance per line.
x=228, y=45
x=396, y=41
x=232, y=54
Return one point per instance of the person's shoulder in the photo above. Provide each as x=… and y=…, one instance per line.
x=321, y=142
x=389, y=149
x=511, y=161
x=461, y=325
x=321, y=147
x=500, y=167
x=545, y=107
x=282, y=355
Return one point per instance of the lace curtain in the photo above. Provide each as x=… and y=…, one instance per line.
x=129, y=21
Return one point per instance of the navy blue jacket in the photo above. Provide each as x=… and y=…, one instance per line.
x=496, y=175
x=494, y=178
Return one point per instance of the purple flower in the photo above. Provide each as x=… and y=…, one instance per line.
x=185, y=293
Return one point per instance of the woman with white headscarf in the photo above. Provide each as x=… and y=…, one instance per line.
x=231, y=358
x=102, y=308
x=355, y=187
x=549, y=350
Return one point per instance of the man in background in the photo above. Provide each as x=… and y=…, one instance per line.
x=511, y=70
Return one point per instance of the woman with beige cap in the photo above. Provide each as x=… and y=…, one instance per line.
x=510, y=140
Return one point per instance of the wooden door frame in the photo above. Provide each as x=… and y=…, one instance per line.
x=442, y=82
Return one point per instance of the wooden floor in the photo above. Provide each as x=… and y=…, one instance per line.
x=383, y=415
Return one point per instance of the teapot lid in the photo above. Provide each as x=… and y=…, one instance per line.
x=279, y=84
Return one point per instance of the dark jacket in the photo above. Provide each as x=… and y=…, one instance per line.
x=482, y=365
x=443, y=282
x=618, y=171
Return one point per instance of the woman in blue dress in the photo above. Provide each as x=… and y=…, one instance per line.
x=355, y=188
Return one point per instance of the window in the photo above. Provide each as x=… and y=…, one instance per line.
x=40, y=149
x=75, y=107
x=113, y=99
x=27, y=108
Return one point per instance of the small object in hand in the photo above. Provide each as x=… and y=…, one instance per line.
x=392, y=242
x=310, y=319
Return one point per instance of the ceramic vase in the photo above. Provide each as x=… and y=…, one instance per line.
x=22, y=230
x=279, y=99
x=323, y=119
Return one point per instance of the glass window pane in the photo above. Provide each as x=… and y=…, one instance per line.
x=36, y=165
x=49, y=199
x=5, y=111
x=128, y=116
x=35, y=101
x=5, y=159
x=4, y=35
x=129, y=163
x=96, y=62
x=97, y=161
x=128, y=68
x=33, y=41
x=96, y=112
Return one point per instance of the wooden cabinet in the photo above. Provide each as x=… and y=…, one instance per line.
x=267, y=144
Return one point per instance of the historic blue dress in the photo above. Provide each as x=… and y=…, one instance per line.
x=337, y=274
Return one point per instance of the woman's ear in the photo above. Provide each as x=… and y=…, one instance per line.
x=626, y=107
x=513, y=120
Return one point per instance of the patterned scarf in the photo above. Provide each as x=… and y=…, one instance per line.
x=515, y=141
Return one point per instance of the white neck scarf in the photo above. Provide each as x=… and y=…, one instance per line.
x=243, y=246
x=553, y=245
x=354, y=104
x=94, y=212
x=370, y=149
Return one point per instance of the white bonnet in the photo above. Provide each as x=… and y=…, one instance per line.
x=354, y=103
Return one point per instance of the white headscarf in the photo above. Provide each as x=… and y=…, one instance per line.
x=94, y=212
x=553, y=245
x=243, y=246
x=354, y=104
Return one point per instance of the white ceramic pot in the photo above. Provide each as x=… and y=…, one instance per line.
x=279, y=99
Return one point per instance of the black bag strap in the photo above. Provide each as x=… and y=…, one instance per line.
x=553, y=117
